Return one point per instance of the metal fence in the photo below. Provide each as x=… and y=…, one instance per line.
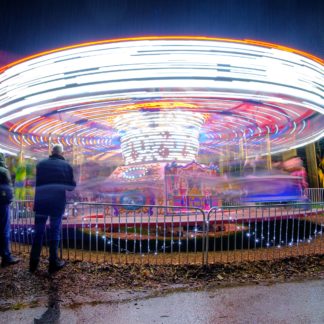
x=120, y=234
x=264, y=232
x=116, y=233
x=315, y=194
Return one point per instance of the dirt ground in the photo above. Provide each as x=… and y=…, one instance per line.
x=82, y=281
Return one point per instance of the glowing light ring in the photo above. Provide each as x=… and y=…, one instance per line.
x=135, y=173
x=281, y=87
x=159, y=135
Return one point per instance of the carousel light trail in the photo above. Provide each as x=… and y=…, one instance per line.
x=89, y=92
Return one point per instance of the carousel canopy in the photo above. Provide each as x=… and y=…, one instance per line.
x=162, y=99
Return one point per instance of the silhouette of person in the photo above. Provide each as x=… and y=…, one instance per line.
x=53, y=312
x=54, y=176
x=6, y=196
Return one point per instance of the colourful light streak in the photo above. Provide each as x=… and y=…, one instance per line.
x=154, y=73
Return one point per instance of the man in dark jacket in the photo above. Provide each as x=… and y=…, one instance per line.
x=6, y=196
x=53, y=177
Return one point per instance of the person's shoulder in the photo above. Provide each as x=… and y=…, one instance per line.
x=51, y=161
x=69, y=166
x=43, y=161
x=63, y=163
x=3, y=169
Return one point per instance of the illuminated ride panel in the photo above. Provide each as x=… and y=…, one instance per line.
x=160, y=99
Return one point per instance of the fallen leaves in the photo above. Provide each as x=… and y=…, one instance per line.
x=88, y=279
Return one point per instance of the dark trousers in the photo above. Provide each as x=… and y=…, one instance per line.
x=4, y=232
x=54, y=236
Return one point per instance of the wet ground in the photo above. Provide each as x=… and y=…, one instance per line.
x=294, y=302
x=259, y=291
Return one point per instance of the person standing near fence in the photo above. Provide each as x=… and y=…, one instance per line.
x=54, y=176
x=295, y=167
x=6, y=196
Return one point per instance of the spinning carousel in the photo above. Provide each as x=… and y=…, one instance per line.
x=162, y=112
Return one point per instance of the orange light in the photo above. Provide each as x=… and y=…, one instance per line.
x=285, y=48
x=117, y=40
x=39, y=125
x=25, y=125
x=159, y=105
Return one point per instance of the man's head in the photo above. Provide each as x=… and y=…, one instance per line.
x=2, y=157
x=57, y=149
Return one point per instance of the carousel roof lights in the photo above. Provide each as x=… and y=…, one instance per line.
x=103, y=81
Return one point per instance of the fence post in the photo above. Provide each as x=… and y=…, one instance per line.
x=205, y=243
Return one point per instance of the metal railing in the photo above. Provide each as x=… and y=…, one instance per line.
x=315, y=194
x=117, y=233
x=150, y=234
x=270, y=231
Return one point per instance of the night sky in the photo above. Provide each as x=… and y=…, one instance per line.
x=30, y=26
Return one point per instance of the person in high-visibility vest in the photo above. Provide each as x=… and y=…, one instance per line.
x=321, y=173
x=20, y=189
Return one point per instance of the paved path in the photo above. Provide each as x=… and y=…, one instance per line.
x=281, y=303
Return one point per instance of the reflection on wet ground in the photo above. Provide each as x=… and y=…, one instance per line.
x=52, y=313
x=285, y=303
